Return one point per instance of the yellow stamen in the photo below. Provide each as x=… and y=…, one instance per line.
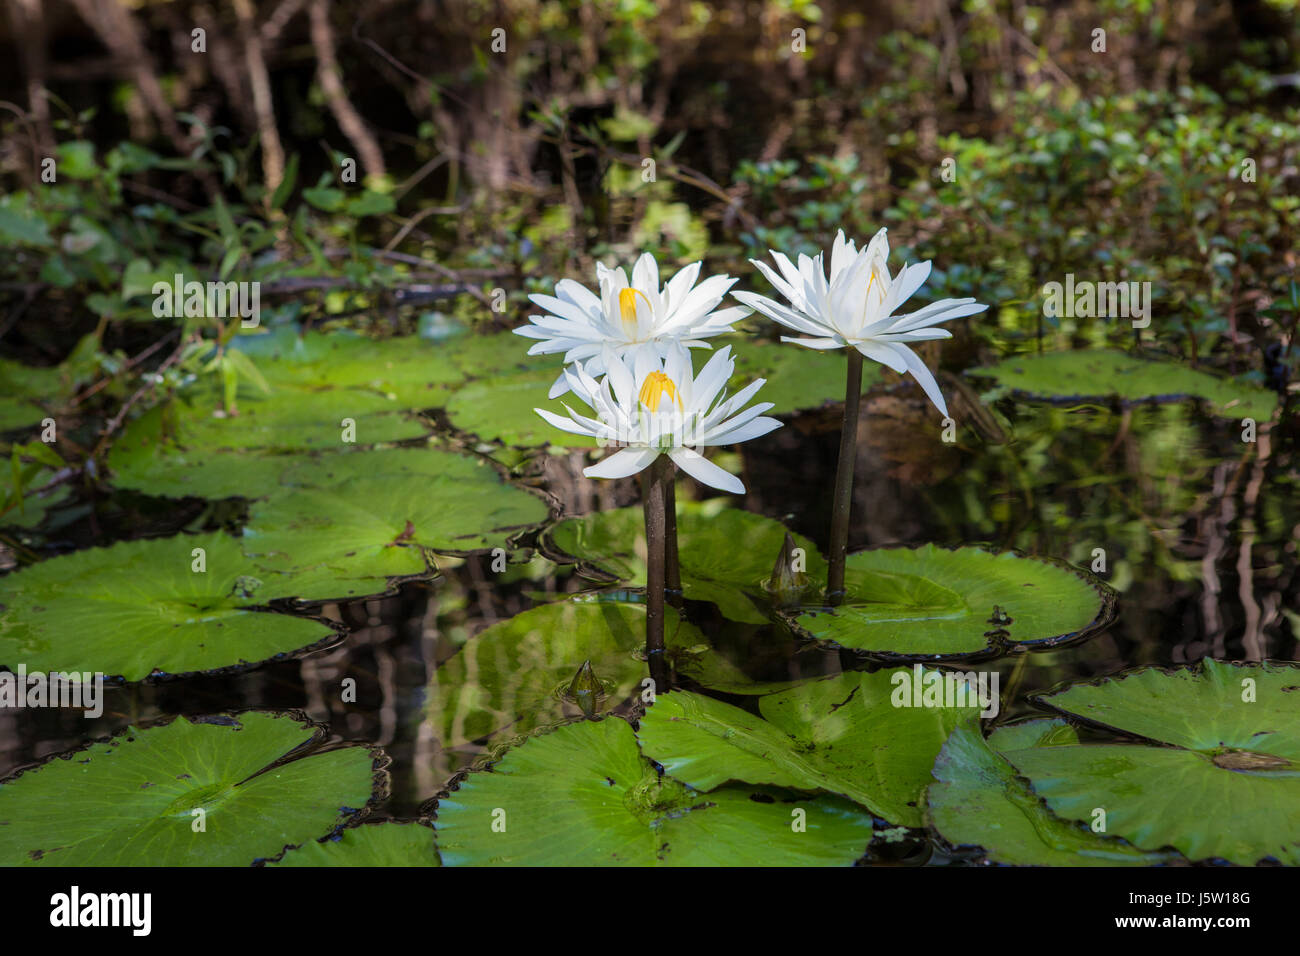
x=627, y=305
x=653, y=389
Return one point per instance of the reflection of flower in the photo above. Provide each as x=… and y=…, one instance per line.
x=627, y=317
x=856, y=307
x=658, y=406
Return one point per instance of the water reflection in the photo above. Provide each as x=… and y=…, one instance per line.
x=1195, y=528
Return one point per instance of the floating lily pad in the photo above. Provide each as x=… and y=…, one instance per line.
x=357, y=520
x=373, y=844
x=130, y=801
x=183, y=449
x=501, y=410
x=317, y=382
x=1224, y=781
x=514, y=675
x=798, y=378
x=584, y=796
x=1102, y=373
x=932, y=602
x=138, y=608
x=978, y=800
x=843, y=735
x=726, y=554
x=412, y=371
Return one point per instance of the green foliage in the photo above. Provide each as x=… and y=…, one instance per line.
x=132, y=800
x=584, y=795
x=1224, y=740
x=925, y=601
x=150, y=607
x=843, y=735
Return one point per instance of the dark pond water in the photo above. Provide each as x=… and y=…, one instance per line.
x=1200, y=532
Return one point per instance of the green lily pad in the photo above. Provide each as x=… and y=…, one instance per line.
x=130, y=801
x=844, y=735
x=1224, y=780
x=501, y=410
x=412, y=371
x=372, y=844
x=183, y=449
x=932, y=602
x=138, y=609
x=726, y=554
x=978, y=800
x=355, y=521
x=317, y=382
x=513, y=676
x=1102, y=373
x=798, y=378
x=583, y=795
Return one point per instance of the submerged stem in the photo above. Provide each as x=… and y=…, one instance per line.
x=844, y=479
x=672, y=567
x=657, y=476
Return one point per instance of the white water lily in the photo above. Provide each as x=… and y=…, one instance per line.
x=628, y=317
x=856, y=306
x=655, y=407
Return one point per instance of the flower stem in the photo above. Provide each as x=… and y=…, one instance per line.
x=672, y=567
x=844, y=479
x=652, y=497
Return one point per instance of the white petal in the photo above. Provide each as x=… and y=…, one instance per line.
x=680, y=284
x=711, y=436
x=789, y=270
x=712, y=377
x=916, y=335
x=912, y=278
x=645, y=275
x=759, y=426
x=779, y=284
x=923, y=376
x=566, y=310
x=621, y=464
x=560, y=386
x=724, y=410
x=620, y=377
x=562, y=423
x=705, y=471
x=940, y=311
x=779, y=313
x=882, y=352
x=579, y=295
x=835, y=343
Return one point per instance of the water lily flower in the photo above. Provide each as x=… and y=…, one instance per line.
x=856, y=306
x=656, y=406
x=629, y=317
